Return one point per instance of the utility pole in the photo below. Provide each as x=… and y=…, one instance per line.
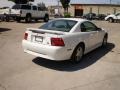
x=110, y=1
x=58, y=7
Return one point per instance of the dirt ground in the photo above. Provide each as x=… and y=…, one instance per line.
x=99, y=70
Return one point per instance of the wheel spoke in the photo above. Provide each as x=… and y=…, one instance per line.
x=79, y=54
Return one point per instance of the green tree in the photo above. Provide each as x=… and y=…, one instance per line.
x=21, y=1
x=42, y=6
x=65, y=4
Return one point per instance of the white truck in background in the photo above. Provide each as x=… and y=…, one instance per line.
x=28, y=12
x=6, y=14
x=24, y=12
x=113, y=17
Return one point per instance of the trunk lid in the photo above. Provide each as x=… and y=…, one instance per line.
x=42, y=36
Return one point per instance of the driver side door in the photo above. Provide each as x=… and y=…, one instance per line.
x=92, y=34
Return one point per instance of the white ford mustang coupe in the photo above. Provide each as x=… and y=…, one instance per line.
x=64, y=39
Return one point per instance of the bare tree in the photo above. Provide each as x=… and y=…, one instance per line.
x=65, y=4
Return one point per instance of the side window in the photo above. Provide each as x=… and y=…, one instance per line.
x=34, y=7
x=28, y=7
x=88, y=27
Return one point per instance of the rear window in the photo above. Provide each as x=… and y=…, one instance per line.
x=28, y=7
x=59, y=25
x=16, y=7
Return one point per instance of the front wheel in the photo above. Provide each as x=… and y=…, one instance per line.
x=78, y=54
x=111, y=20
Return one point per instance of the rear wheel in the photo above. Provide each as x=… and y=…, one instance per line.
x=111, y=20
x=36, y=20
x=78, y=54
x=28, y=18
x=18, y=19
x=7, y=18
x=46, y=18
x=105, y=40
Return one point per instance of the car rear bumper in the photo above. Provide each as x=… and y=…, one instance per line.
x=45, y=51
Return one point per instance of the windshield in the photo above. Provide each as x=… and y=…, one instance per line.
x=59, y=25
x=16, y=7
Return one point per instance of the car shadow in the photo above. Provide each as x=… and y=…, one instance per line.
x=32, y=22
x=4, y=29
x=88, y=60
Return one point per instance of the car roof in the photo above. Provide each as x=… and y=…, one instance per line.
x=74, y=19
x=26, y=4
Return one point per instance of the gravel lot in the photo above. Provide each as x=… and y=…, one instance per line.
x=99, y=70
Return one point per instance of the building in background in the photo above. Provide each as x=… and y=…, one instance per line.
x=78, y=10
x=55, y=10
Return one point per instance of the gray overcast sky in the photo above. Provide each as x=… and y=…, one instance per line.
x=54, y=2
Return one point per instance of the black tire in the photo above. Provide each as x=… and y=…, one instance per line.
x=18, y=19
x=2, y=19
x=111, y=20
x=77, y=54
x=28, y=18
x=105, y=39
x=7, y=18
x=46, y=18
x=36, y=20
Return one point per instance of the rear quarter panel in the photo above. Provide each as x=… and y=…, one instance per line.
x=73, y=39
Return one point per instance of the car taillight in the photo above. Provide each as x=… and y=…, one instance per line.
x=57, y=42
x=25, y=36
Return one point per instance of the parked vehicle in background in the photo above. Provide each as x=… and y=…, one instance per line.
x=64, y=39
x=90, y=16
x=100, y=17
x=58, y=16
x=28, y=12
x=113, y=17
x=6, y=14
